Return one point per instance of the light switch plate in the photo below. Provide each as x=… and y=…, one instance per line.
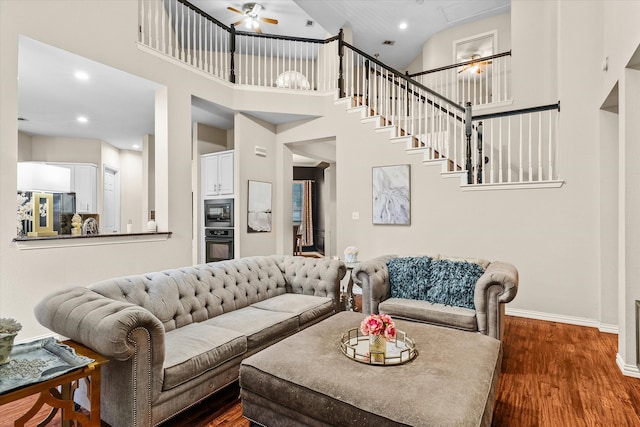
x=355, y=215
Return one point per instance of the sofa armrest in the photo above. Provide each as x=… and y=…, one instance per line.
x=313, y=276
x=373, y=277
x=496, y=287
x=98, y=322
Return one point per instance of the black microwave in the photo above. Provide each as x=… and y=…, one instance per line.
x=218, y=213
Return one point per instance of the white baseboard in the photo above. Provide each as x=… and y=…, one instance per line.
x=560, y=318
x=627, y=370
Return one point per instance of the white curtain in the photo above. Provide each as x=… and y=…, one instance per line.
x=307, y=214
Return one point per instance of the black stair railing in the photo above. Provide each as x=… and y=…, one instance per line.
x=187, y=41
x=460, y=64
x=479, y=122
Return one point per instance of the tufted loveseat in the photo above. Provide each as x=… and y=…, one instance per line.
x=177, y=336
x=495, y=284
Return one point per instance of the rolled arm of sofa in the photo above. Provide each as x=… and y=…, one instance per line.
x=373, y=277
x=496, y=287
x=105, y=325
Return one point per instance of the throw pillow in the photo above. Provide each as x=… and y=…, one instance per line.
x=408, y=276
x=453, y=283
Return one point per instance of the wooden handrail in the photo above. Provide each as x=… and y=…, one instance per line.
x=461, y=64
x=516, y=112
x=404, y=77
x=287, y=38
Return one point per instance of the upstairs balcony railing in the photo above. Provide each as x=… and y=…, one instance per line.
x=480, y=81
x=184, y=32
x=431, y=111
x=517, y=146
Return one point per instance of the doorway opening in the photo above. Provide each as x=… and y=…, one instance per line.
x=110, y=200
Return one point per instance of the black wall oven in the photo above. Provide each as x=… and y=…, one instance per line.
x=218, y=244
x=218, y=213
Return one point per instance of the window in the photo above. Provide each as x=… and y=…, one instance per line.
x=297, y=202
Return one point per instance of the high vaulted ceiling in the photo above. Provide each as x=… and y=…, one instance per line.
x=372, y=22
x=119, y=106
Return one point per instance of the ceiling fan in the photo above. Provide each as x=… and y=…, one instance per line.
x=475, y=67
x=251, y=16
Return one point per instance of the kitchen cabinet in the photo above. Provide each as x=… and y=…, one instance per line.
x=84, y=180
x=217, y=174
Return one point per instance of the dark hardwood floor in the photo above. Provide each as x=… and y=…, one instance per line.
x=553, y=375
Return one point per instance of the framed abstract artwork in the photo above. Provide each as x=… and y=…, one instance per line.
x=392, y=195
x=259, y=207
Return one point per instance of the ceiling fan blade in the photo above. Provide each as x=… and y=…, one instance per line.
x=258, y=30
x=233, y=9
x=239, y=22
x=269, y=20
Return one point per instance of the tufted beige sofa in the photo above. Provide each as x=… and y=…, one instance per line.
x=177, y=336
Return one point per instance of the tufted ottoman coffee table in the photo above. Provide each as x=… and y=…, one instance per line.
x=306, y=380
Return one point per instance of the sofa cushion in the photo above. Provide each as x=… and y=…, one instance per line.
x=424, y=311
x=453, y=282
x=308, y=308
x=408, y=276
x=261, y=327
x=197, y=348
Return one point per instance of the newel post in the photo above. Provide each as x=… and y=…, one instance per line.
x=232, y=51
x=468, y=132
x=340, y=70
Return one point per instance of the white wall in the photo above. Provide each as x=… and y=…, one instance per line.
x=438, y=51
x=209, y=139
x=131, y=191
x=620, y=252
x=24, y=147
x=250, y=132
x=66, y=150
x=536, y=51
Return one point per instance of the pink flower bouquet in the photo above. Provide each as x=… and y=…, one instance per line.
x=379, y=324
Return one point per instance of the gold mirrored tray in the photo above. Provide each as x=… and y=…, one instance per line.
x=355, y=346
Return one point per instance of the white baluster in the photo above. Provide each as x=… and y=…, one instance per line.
x=500, y=168
x=491, y=139
x=509, y=149
x=540, y=146
x=520, y=164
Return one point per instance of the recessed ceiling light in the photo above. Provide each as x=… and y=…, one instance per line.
x=135, y=146
x=403, y=26
x=82, y=119
x=81, y=75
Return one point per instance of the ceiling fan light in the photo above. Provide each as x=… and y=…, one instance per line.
x=255, y=23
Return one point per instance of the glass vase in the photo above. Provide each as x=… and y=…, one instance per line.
x=377, y=348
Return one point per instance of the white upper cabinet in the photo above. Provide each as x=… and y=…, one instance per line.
x=84, y=181
x=84, y=184
x=217, y=174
